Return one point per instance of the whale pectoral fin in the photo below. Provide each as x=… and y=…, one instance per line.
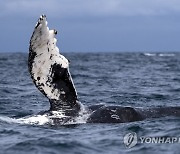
x=62, y=81
x=50, y=70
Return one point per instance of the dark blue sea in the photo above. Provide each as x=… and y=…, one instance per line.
x=127, y=79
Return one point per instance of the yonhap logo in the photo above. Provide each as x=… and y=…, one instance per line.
x=130, y=139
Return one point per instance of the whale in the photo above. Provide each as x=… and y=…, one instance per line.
x=50, y=73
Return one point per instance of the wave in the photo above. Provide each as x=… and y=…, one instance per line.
x=159, y=54
x=166, y=55
x=150, y=54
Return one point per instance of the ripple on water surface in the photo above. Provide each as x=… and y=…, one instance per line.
x=131, y=79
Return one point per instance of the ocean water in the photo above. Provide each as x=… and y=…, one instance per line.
x=127, y=79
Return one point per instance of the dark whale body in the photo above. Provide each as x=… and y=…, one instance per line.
x=119, y=114
x=50, y=73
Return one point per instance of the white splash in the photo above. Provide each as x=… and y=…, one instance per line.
x=48, y=118
x=32, y=120
x=81, y=118
x=8, y=119
x=35, y=120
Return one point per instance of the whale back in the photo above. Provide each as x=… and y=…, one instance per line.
x=50, y=70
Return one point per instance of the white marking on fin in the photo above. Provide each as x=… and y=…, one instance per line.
x=43, y=43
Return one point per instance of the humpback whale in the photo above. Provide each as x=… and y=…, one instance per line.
x=50, y=72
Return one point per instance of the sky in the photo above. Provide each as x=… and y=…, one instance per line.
x=94, y=25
